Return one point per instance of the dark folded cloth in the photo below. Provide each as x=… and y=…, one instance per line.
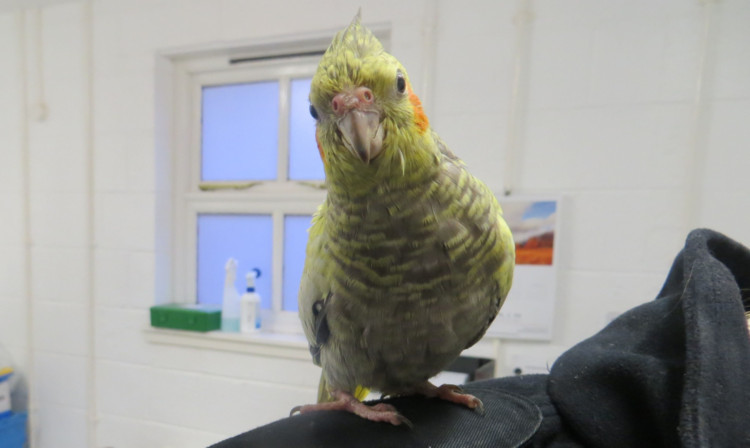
x=670, y=372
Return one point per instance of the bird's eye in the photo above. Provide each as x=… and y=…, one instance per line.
x=400, y=82
x=313, y=112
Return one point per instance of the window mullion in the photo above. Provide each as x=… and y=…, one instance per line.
x=282, y=176
x=191, y=261
x=283, y=148
x=277, y=282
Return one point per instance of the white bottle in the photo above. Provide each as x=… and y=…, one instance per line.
x=230, y=305
x=250, y=305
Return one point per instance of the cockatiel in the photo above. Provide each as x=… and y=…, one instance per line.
x=408, y=259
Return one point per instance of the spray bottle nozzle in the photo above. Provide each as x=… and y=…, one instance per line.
x=250, y=278
x=231, y=272
x=230, y=264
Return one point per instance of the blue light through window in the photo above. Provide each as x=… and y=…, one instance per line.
x=246, y=238
x=304, y=159
x=240, y=132
x=295, y=243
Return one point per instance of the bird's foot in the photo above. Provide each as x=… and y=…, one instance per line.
x=380, y=412
x=452, y=393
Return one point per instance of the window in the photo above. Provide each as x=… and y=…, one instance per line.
x=248, y=178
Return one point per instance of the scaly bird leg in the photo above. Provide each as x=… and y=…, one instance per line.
x=345, y=401
x=452, y=393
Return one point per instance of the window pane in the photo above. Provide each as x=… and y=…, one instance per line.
x=304, y=159
x=246, y=238
x=295, y=242
x=240, y=132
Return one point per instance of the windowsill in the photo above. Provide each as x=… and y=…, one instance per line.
x=273, y=345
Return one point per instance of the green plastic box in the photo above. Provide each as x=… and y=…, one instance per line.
x=181, y=316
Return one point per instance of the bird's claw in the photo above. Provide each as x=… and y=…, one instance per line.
x=454, y=388
x=453, y=394
x=296, y=409
x=404, y=421
x=397, y=417
x=479, y=408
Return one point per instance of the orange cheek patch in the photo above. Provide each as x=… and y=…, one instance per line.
x=420, y=119
x=320, y=149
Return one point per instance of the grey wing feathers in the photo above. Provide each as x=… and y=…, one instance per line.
x=320, y=326
x=312, y=311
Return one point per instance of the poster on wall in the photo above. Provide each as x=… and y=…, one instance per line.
x=528, y=312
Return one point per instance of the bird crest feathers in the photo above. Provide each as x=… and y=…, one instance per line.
x=356, y=39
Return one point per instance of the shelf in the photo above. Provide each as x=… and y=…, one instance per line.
x=275, y=345
x=272, y=345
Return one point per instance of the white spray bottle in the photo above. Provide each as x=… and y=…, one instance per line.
x=250, y=305
x=230, y=306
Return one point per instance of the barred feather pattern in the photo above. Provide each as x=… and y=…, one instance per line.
x=412, y=274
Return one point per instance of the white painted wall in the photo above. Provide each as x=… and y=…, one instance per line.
x=608, y=119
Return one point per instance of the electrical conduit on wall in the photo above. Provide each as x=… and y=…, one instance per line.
x=88, y=62
x=522, y=23
x=698, y=128
x=21, y=19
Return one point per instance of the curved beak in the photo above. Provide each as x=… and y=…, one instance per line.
x=363, y=134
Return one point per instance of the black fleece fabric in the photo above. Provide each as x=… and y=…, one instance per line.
x=673, y=372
